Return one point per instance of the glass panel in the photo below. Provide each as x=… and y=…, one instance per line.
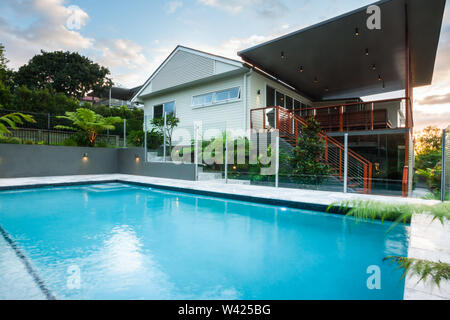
x=203, y=99
x=208, y=98
x=158, y=111
x=297, y=107
x=280, y=99
x=235, y=93
x=270, y=97
x=289, y=103
x=169, y=108
x=227, y=94
x=198, y=100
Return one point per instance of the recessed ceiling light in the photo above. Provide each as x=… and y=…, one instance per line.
x=301, y=69
x=367, y=52
x=356, y=32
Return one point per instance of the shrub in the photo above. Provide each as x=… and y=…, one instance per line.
x=307, y=164
x=13, y=140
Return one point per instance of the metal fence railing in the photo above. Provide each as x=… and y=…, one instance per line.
x=44, y=130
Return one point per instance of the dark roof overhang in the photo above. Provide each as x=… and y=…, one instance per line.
x=333, y=58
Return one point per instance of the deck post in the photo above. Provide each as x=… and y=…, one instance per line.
x=371, y=117
x=341, y=119
x=346, y=163
x=444, y=132
x=264, y=119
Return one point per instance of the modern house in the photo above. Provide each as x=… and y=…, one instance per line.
x=320, y=71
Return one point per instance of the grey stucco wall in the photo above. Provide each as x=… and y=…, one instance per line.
x=128, y=164
x=19, y=161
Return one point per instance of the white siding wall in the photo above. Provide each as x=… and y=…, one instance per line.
x=183, y=67
x=220, y=116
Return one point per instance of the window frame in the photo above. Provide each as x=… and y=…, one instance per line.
x=164, y=106
x=214, y=101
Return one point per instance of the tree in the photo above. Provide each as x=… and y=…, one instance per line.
x=65, y=72
x=6, y=74
x=306, y=162
x=428, y=150
x=89, y=123
x=429, y=141
x=5, y=96
x=42, y=101
x=171, y=123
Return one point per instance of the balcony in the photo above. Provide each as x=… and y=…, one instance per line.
x=359, y=116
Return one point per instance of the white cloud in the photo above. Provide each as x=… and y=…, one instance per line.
x=47, y=31
x=173, y=6
x=268, y=8
x=122, y=53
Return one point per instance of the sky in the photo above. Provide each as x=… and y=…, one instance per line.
x=132, y=38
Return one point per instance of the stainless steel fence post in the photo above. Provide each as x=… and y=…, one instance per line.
x=443, y=191
x=277, y=160
x=346, y=163
x=145, y=139
x=124, y=133
x=48, y=128
x=226, y=159
x=196, y=151
x=164, y=134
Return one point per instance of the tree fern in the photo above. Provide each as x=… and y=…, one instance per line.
x=12, y=120
x=426, y=270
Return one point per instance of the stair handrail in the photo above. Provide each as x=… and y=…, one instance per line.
x=368, y=165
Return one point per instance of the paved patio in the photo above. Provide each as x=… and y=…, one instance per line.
x=429, y=240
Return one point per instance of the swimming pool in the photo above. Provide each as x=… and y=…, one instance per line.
x=119, y=241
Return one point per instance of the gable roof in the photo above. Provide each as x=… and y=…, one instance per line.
x=227, y=61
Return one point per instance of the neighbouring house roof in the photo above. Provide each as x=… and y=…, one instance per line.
x=124, y=93
x=333, y=58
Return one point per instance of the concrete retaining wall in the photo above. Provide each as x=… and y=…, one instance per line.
x=19, y=161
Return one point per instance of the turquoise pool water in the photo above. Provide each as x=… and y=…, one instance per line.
x=117, y=241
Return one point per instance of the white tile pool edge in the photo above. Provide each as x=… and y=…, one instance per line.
x=429, y=240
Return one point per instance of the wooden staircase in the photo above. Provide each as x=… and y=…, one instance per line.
x=290, y=127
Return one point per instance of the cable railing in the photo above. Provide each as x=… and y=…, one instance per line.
x=290, y=126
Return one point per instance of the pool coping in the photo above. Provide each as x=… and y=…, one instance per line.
x=424, y=244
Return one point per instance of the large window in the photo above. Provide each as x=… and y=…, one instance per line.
x=160, y=109
x=228, y=95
